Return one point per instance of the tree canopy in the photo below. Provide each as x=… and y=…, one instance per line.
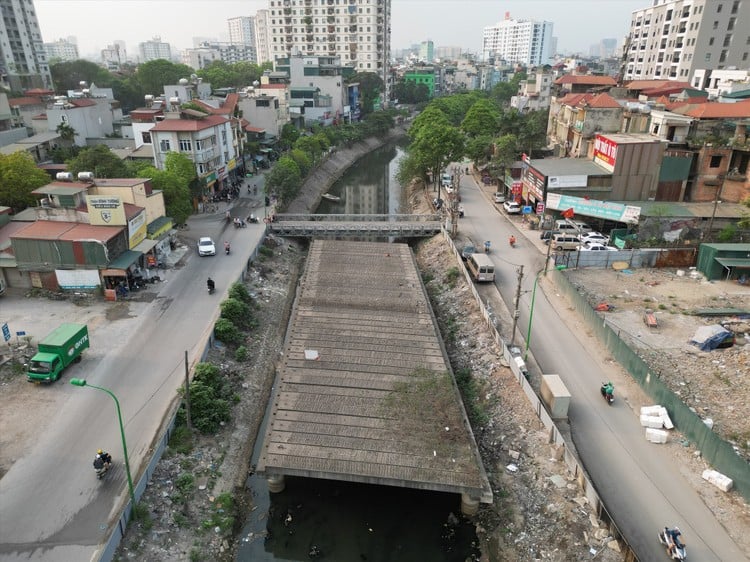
x=175, y=190
x=370, y=87
x=101, y=161
x=19, y=176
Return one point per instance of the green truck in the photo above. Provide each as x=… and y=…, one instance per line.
x=58, y=350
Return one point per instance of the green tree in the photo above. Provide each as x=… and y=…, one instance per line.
x=180, y=165
x=481, y=119
x=19, y=176
x=177, y=199
x=436, y=142
x=506, y=152
x=289, y=135
x=100, y=160
x=532, y=136
x=744, y=222
x=310, y=146
x=370, y=87
x=66, y=132
x=303, y=160
x=284, y=179
x=154, y=75
x=68, y=75
x=479, y=149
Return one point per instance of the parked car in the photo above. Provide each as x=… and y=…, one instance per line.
x=595, y=246
x=594, y=236
x=512, y=208
x=446, y=180
x=565, y=242
x=467, y=250
x=547, y=235
x=206, y=246
x=499, y=197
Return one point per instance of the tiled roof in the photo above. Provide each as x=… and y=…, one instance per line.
x=653, y=84
x=189, y=124
x=587, y=79
x=251, y=129
x=82, y=102
x=39, y=92
x=26, y=100
x=600, y=101
x=716, y=110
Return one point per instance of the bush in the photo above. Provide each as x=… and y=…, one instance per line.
x=239, y=292
x=207, y=409
x=242, y=354
x=225, y=331
x=238, y=312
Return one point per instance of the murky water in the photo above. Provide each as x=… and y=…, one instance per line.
x=346, y=522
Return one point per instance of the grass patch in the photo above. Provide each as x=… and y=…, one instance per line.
x=452, y=276
x=142, y=516
x=223, y=515
x=181, y=440
x=470, y=392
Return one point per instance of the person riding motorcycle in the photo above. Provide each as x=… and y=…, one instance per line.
x=609, y=389
x=673, y=538
x=226, y=246
x=102, y=460
x=512, y=240
x=210, y=284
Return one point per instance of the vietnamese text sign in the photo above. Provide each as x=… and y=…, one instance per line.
x=105, y=210
x=605, y=152
x=594, y=208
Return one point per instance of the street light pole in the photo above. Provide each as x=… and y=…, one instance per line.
x=82, y=382
x=531, y=309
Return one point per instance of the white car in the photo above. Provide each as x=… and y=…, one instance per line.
x=597, y=237
x=512, y=208
x=446, y=180
x=594, y=246
x=499, y=197
x=206, y=247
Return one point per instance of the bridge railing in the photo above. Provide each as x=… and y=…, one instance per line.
x=357, y=218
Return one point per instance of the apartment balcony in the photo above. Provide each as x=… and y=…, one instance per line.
x=288, y=29
x=352, y=29
x=289, y=38
x=308, y=11
x=330, y=19
x=310, y=37
x=352, y=47
x=331, y=29
x=287, y=11
x=332, y=39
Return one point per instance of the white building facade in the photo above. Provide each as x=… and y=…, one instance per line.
x=262, y=37
x=24, y=57
x=673, y=38
x=242, y=30
x=154, y=50
x=356, y=31
x=62, y=49
x=518, y=41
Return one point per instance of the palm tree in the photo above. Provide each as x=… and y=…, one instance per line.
x=66, y=132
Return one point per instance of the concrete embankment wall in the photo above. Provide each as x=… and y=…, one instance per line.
x=333, y=167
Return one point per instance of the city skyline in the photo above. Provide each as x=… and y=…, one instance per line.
x=177, y=22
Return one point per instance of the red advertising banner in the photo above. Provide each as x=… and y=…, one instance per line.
x=605, y=150
x=517, y=188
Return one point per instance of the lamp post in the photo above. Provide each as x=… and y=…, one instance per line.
x=82, y=382
x=531, y=309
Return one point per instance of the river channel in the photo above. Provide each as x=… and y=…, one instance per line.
x=336, y=521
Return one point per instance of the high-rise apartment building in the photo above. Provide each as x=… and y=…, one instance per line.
x=62, y=49
x=242, y=30
x=427, y=51
x=262, y=40
x=673, y=38
x=358, y=32
x=24, y=59
x=154, y=50
x=518, y=41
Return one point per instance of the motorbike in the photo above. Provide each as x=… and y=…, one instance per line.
x=487, y=247
x=679, y=552
x=102, y=466
x=227, y=249
x=211, y=286
x=608, y=394
x=253, y=219
x=512, y=241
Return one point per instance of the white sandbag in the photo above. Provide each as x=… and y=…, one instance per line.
x=651, y=410
x=723, y=483
x=666, y=419
x=656, y=435
x=652, y=421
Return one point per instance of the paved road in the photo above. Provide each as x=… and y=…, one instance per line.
x=51, y=505
x=636, y=478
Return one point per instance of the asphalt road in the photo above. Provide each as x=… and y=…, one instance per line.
x=52, y=507
x=636, y=479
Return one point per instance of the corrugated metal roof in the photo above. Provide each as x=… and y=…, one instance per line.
x=44, y=230
x=176, y=125
x=40, y=138
x=119, y=182
x=69, y=189
x=568, y=166
x=57, y=230
x=91, y=232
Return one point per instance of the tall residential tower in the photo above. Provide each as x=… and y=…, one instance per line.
x=518, y=41
x=24, y=58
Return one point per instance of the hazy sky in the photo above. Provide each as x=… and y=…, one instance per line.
x=96, y=23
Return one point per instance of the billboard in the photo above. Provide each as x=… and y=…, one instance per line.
x=137, y=229
x=105, y=210
x=605, y=152
x=561, y=182
x=594, y=208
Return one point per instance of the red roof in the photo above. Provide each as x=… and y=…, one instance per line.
x=82, y=231
x=587, y=79
x=39, y=92
x=599, y=101
x=227, y=107
x=655, y=84
x=178, y=125
x=57, y=230
x=81, y=102
x=251, y=129
x=716, y=110
x=26, y=100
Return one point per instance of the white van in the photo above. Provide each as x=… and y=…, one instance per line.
x=480, y=267
x=574, y=227
x=565, y=242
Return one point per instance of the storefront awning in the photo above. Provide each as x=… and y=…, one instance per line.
x=145, y=246
x=125, y=260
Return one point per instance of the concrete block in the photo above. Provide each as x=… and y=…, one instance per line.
x=651, y=410
x=652, y=421
x=723, y=483
x=656, y=435
x=555, y=396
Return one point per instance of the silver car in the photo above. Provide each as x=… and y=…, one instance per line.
x=206, y=247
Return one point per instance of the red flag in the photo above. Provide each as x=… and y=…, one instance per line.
x=568, y=213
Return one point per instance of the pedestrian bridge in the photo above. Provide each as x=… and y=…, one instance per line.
x=375, y=226
x=364, y=391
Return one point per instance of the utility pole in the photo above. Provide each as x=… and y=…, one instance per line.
x=187, y=393
x=516, y=312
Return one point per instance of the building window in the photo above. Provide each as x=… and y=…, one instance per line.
x=715, y=161
x=727, y=40
x=711, y=41
x=708, y=57
x=185, y=145
x=146, y=136
x=744, y=56
x=164, y=146
x=718, y=8
x=716, y=25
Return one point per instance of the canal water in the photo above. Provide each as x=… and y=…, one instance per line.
x=335, y=521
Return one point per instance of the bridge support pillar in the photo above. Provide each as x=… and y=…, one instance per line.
x=276, y=483
x=469, y=505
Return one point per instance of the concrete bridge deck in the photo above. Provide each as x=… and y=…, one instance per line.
x=379, y=226
x=364, y=392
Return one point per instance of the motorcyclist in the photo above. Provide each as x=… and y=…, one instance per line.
x=210, y=284
x=673, y=539
x=102, y=459
x=609, y=389
x=487, y=246
x=226, y=246
x=512, y=240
